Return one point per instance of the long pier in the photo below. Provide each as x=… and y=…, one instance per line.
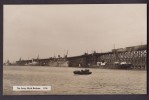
x=135, y=55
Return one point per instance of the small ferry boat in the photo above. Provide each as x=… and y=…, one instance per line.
x=82, y=72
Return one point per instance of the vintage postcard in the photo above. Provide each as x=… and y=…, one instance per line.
x=75, y=49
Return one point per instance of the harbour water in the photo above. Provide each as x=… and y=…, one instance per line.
x=64, y=82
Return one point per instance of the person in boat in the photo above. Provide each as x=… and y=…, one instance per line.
x=87, y=70
x=82, y=71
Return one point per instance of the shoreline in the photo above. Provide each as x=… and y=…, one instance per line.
x=84, y=68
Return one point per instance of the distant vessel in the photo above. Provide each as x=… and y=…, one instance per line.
x=52, y=61
x=82, y=72
x=122, y=65
x=7, y=63
x=33, y=63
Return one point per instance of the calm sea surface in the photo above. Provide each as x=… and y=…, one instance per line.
x=63, y=81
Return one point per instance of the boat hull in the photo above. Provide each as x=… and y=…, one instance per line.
x=82, y=73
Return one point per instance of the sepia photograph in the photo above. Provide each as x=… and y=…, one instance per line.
x=75, y=49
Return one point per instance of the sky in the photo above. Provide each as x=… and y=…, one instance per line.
x=48, y=30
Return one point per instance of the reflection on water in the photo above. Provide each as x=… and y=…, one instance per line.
x=63, y=81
